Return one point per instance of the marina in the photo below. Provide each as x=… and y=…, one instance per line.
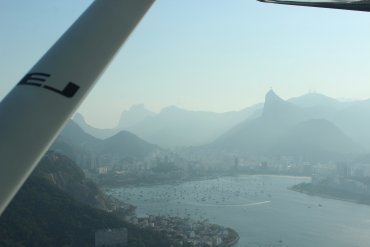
x=261, y=209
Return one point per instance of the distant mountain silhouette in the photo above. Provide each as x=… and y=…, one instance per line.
x=74, y=142
x=173, y=126
x=96, y=132
x=286, y=129
x=134, y=115
x=316, y=139
x=278, y=111
x=352, y=117
x=72, y=132
x=125, y=143
x=315, y=99
x=257, y=135
x=176, y=127
x=78, y=145
x=354, y=120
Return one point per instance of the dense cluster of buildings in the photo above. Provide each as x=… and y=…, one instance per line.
x=350, y=178
x=187, y=232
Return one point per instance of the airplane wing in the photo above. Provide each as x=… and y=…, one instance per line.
x=36, y=109
x=359, y=5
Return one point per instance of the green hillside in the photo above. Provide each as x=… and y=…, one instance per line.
x=43, y=215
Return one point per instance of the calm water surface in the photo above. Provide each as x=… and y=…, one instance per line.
x=260, y=208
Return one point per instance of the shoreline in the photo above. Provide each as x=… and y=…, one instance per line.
x=328, y=196
x=205, y=232
x=236, y=240
x=105, y=186
x=232, y=242
x=234, y=235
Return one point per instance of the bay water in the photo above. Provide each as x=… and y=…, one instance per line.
x=260, y=208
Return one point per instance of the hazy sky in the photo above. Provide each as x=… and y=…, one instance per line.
x=214, y=55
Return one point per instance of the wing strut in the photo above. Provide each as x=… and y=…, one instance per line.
x=33, y=113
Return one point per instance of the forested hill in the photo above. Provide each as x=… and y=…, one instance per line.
x=43, y=215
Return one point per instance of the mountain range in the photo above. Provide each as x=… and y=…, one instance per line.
x=173, y=126
x=289, y=129
x=311, y=126
x=85, y=149
x=129, y=118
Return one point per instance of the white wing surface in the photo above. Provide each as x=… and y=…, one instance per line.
x=36, y=109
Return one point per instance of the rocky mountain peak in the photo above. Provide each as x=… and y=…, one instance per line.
x=272, y=98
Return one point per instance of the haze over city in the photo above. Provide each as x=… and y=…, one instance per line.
x=211, y=55
x=219, y=124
